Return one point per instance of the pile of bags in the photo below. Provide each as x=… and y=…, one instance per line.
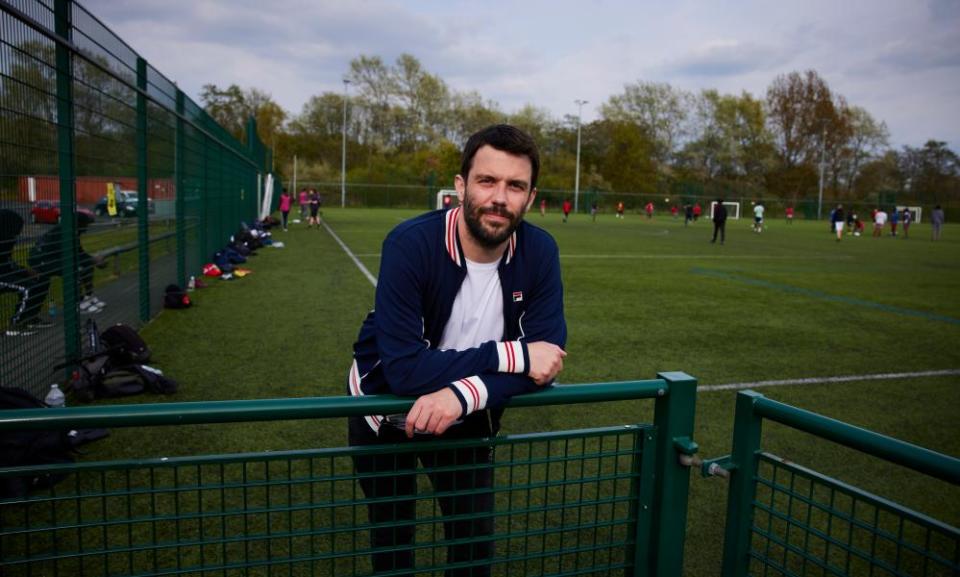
x=115, y=366
x=242, y=245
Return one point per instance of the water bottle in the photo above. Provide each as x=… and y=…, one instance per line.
x=55, y=398
x=192, y=283
x=52, y=310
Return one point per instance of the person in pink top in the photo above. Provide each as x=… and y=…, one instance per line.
x=304, y=200
x=286, y=201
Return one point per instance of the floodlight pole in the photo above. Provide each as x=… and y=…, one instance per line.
x=576, y=182
x=823, y=137
x=343, y=152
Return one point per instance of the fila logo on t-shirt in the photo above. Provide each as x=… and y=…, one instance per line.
x=518, y=296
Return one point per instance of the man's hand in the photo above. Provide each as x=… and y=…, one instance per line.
x=433, y=413
x=546, y=360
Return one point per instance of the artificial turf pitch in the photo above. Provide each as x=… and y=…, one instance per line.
x=641, y=296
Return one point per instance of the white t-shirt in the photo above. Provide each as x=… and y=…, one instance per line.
x=477, y=315
x=758, y=211
x=881, y=218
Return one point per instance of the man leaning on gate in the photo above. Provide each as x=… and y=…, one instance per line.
x=468, y=313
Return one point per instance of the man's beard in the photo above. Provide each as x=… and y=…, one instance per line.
x=486, y=237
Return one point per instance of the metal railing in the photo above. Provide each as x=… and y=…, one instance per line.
x=82, y=113
x=598, y=501
x=786, y=519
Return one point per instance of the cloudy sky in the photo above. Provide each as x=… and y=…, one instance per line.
x=899, y=59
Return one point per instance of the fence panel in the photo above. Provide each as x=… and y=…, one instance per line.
x=786, y=519
x=82, y=119
x=564, y=502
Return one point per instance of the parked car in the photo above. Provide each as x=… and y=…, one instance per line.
x=127, y=201
x=45, y=212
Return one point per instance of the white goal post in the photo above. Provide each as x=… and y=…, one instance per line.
x=916, y=211
x=733, y=209
x=447, y=193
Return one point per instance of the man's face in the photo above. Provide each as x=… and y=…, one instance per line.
x=495, y=195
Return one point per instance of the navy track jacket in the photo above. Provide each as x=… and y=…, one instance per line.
x=421, y=269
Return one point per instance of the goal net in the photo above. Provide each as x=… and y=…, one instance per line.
x=442, y=197
x=733, y=209
x=915, y=212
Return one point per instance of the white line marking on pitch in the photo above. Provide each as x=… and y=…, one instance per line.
x=817, y=380
x=346, y=249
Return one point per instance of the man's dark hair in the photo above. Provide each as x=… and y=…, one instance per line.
x=505, y=138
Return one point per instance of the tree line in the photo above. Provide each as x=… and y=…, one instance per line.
x=405, y=125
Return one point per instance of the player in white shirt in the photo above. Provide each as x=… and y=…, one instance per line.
x=758, y=218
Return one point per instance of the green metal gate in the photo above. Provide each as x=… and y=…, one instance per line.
x=599, y=501
x=785, y=519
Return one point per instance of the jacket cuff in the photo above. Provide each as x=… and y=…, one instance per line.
x=512, y=357
x=472, y=394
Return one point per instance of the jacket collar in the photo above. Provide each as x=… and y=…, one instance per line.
x=452, y=239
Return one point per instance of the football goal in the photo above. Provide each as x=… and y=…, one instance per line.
x=447, y=199
x=733, y=209
x=915, y=212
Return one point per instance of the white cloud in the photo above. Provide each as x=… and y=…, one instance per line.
x=898, y=59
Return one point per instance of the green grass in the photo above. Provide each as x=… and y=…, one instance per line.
x=640, y=297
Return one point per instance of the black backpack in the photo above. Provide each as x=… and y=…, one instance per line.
x=124, y=345
x=99, y=379
x=20, y=448
x=175, y=297
x=114, y=366
x=99, y=359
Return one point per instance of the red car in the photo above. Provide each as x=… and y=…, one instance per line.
x=45, y=212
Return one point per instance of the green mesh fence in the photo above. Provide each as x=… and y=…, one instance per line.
x=784, y=519
x=82, y=119
x=808, y=524
x=565, y=504
x=604, y=501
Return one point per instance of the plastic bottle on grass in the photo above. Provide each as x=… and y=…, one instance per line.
x=55, y=398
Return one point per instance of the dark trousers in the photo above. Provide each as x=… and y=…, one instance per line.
x=720, y=227
x=398, y=482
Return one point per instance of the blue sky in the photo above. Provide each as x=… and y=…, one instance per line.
x=899, y=59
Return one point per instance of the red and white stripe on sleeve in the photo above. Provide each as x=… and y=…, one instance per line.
x=511, y=357
x=357, y=391
x=474, y=392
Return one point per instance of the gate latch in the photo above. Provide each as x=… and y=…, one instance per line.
x=687, y=449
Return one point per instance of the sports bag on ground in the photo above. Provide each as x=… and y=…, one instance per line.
x=124, y=345
x=175, y=297
x=47, y=447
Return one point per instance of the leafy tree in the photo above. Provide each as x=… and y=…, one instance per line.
x=799, y=108
x=623, y=152
x=807, y=123
x=729, y=139
x=880, y=175
x=659, y=109
x=469, y=113
x=227, y=106
x=232, y=107
x=931, y=173
x=867, y=140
